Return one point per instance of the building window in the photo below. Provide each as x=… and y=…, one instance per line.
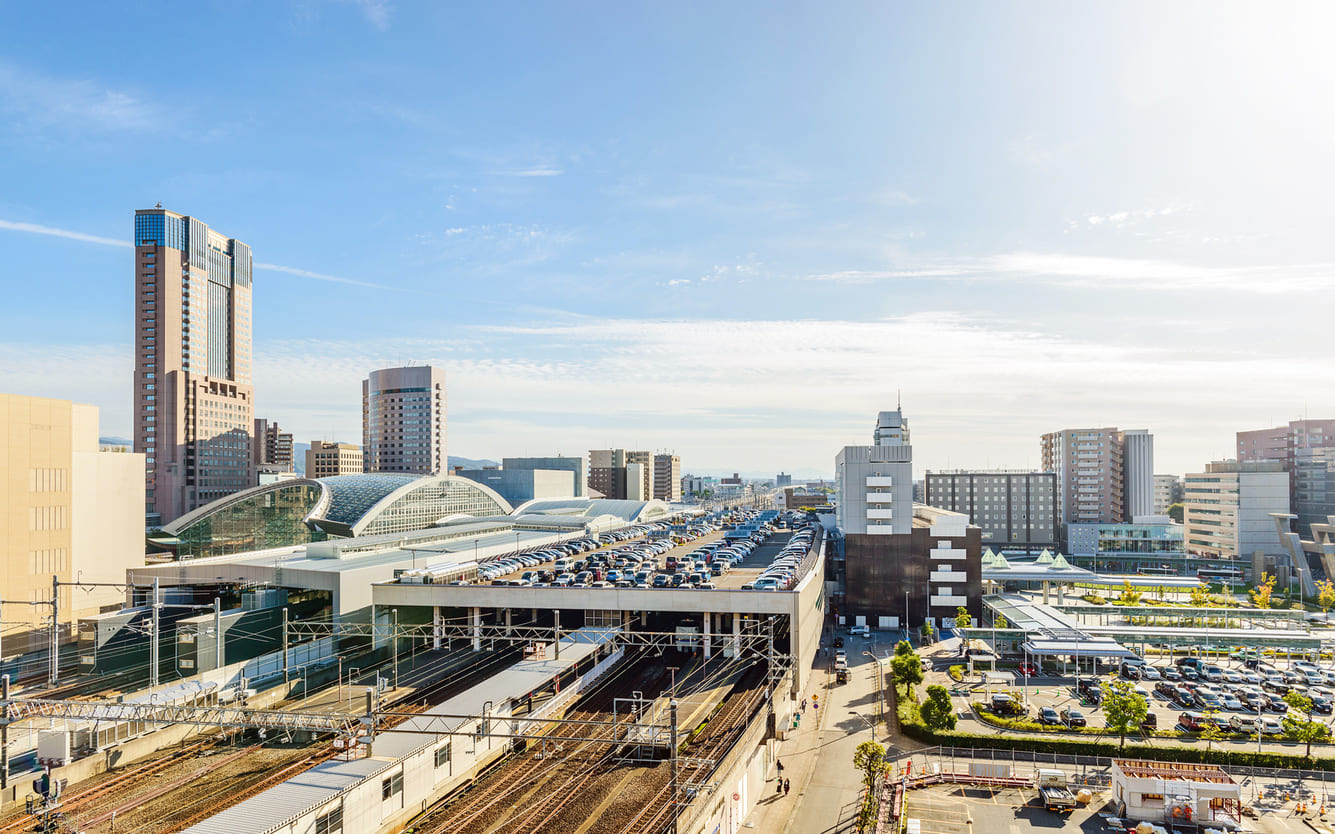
x=443, y=755
x=392, y=786
x=330, y=822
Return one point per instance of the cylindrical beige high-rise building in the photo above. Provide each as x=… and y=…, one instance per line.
x=193, y=394
x=403, y=420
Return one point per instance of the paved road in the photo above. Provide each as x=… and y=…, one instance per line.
x=818, y=759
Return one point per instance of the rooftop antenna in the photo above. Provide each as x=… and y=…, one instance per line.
x=899, y=399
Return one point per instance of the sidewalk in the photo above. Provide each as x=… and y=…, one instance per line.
x=799, y=754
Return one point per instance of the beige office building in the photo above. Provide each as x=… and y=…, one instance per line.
x=667, y=478
x=71, y=512
x=325, y=460
x=193, y=395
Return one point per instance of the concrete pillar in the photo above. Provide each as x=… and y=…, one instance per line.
x=709, y=620
x=1061, y=594
x=736, y=634
x=1046, y=587
x=435, y=627
x=507, y=622
x=477, y=628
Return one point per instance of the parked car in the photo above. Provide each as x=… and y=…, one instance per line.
x=1028, y=669
x=1191, y=722
x=1073, y=718
x=1170, y=673
x=1242, y=724
x=1004, y=704
x=1048, y=715
x=1271, y=726
x=860, y=631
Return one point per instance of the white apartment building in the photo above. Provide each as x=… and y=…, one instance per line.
x=875, y=483
x=1227, y=508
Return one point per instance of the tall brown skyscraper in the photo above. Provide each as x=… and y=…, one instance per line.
x=193, y=395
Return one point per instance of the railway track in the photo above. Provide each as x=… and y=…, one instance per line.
x=119, y=783
x=725, y=727
x=555, y=781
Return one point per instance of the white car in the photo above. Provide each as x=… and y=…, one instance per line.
x=860, y=631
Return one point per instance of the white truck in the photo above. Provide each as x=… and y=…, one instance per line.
x=1056, y=795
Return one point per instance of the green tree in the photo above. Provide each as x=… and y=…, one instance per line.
x=1199, y=597
x=1211, y=733
x=1130, y=596
x=1175, y=512
x=928, y=630
x=1305, y=729
x=1325, y=596
x=906, y=666
x=870, y=759
x=1001, y=622
x=962, y=618
x=1124, y=709
x=938, y=713
x=1264, y=591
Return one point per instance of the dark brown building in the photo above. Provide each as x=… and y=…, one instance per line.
x=933, y=570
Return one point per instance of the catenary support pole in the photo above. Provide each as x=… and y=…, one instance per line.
x=287, y=662
x=153, y=639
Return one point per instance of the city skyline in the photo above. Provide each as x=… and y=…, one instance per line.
x=747, y=251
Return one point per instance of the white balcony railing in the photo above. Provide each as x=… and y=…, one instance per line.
x=950, y=601
x=880, y=481
x=947, y=553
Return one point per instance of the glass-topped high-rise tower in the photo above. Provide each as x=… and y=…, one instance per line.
x=193, y=394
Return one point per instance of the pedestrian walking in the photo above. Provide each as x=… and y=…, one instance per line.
x=779, y=765
x=778, y=787
x=804, y=704
x=785, y=787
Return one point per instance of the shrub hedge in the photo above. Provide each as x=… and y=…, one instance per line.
x=912, y=726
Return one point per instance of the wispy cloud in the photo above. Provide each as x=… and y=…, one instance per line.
x=1092, y=271
x=40, y=102
x=36, y=229
x=376, y=12
x=677, y=384
x=535, y=171
x=320, y=276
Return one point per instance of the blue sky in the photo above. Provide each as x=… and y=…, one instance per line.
x=730, y=230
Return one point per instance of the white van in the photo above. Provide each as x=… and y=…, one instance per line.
x=562, y=565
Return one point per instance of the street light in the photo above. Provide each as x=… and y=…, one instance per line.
x=870, y=725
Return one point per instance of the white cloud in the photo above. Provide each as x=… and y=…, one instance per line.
x=746, y=394
x=376, y=12
x=535, y=171
x=320, y=276
x=34, y=228
x=42, y=102
x=1092, y=271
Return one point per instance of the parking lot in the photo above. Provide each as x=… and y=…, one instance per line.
x=1237, y=697
x=708, y=559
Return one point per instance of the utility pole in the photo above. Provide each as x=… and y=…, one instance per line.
x=395, y=638
x=217, y=634
x=4, y=732
x=286, y=663
x=556, y=633
x=55, y=630
x=153, y=639
x=672, y=739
